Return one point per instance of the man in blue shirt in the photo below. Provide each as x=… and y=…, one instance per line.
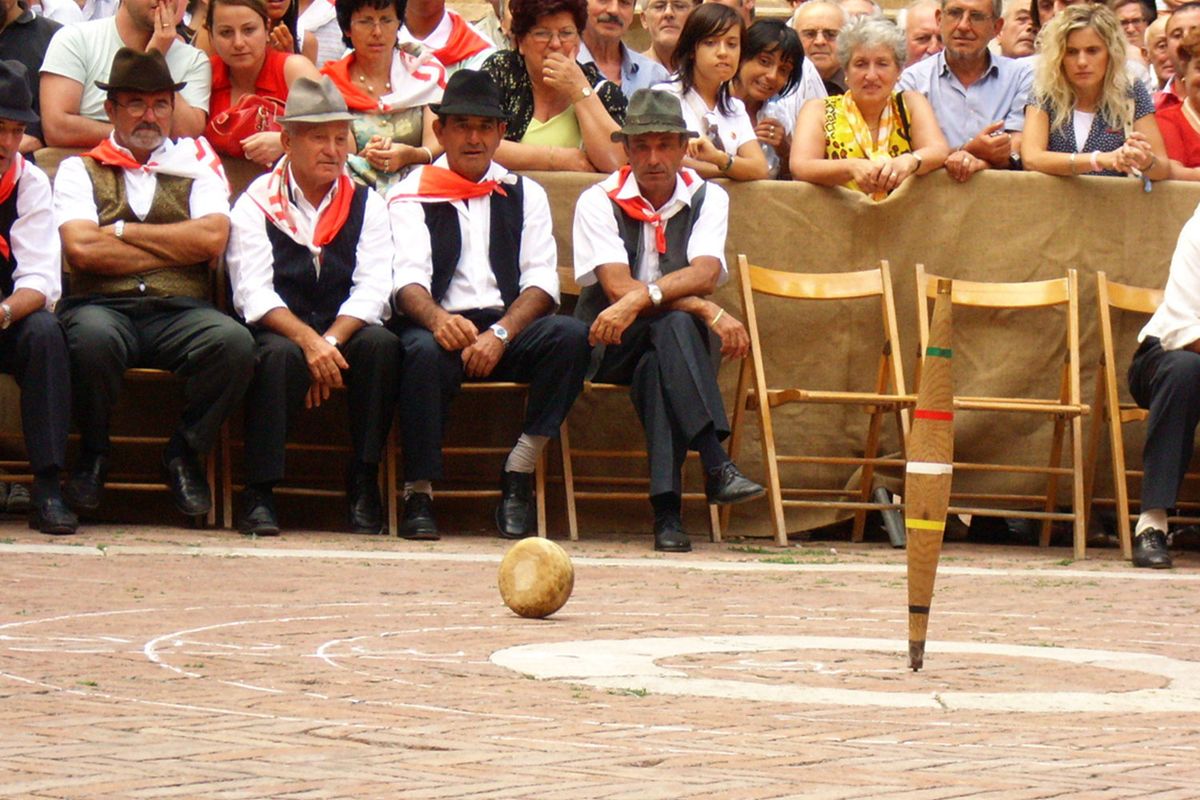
x=608, y=21
x=978, y=97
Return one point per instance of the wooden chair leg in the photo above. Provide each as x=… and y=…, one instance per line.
x=391, y=485
x=226, y=477
x=1077, y=500
x=736, y=431
x=1116, y=446
x=1056, y=449
x=564, y=442
x=871, y=450
x=210, y=468
x=540, y=493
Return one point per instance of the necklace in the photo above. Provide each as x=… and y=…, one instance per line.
x=362, y=78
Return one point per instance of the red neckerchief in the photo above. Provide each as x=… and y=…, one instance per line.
x=438, y=184
x=356, y=99
x=275, y=202
x=8, y=185
x=462, y=42
x=639, y=208
x=110, y=155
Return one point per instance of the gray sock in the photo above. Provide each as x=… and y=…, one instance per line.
x=524, y=455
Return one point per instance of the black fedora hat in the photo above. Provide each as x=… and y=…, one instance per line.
x=16, y=100
x=135, y=71
x=470, y=93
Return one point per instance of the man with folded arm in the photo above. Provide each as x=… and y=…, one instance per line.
x=143, y=218
x=649, y=246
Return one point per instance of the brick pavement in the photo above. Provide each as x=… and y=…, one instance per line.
x=154, y=663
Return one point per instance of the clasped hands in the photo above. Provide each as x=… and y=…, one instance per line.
x=882, y=175
x=1135, y=156
x=481, y=352
x=325, y=365
x=612, y=322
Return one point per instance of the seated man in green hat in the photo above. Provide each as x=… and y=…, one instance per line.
x=649, y=245
x=142, y=219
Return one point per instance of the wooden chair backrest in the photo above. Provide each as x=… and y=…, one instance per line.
x=1124, y=297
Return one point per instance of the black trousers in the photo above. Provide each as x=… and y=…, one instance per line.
x=669, y=368
x=1167, y=382
x=34, y=351
x=211, y=351
x=551, y=355
x=281, y=380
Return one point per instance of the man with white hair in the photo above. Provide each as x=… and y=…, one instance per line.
x=818, y=22
x=663, y=20
x=966, y=84
x=922, y=36
x=1018, y=36
x=861, y=8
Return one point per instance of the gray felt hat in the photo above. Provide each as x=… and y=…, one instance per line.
x=653, y=111
x=315, y=101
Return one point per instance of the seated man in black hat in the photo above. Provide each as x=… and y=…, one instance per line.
x=32, y=347
x=649, y=245
x=310, y=262
x=477, y=282
x=142, y=219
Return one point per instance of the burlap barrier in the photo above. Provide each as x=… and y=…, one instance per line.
x=999, y=226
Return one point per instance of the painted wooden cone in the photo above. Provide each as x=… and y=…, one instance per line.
x=929, y=472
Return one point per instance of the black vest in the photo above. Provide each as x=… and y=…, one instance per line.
x=593, y=300
x=316, y=300
x=8, y=216
x=504, y=247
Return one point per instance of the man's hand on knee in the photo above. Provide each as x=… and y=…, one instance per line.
x=454, y=332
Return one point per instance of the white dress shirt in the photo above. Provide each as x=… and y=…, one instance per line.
x=597, y=239
x=474, y=284
x=1176, y=323
x=74, y=197
x=251, y=261
x=34, y=237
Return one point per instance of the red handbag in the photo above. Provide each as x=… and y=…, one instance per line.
x=252, y=114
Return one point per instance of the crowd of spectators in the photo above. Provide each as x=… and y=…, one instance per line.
x=1045, y=85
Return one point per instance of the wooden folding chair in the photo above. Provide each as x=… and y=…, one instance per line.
x=619, y=487
x=1018, y=297
x=887, y=397
x=1111, y=412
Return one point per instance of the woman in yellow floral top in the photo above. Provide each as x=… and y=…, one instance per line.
x=872, y=138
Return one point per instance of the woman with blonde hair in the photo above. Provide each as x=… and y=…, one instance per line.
x=1085, y=115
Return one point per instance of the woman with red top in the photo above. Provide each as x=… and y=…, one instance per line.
x=390, y=85
x=1180, y=123
x=246, y=68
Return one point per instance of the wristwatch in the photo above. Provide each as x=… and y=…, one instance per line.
x=1014, y=161
x=333, y=340
x=119, y=229
x=655, y=294
x=7, y=320
x=500, y=332
x=584, y=94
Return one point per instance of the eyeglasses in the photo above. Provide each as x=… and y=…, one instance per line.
x=161, y=108
x=811, y=34
x=1136, y=22
x=955, y=15
x=543, y=36
x=368, y=24
x=661, y=7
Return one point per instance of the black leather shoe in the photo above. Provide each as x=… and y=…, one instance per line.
x=188, y=485
x=86, y=485
x=418, y=521
x=728, y=485
x=366, y=507
x=1150, y=550
x=515, y=514
x=258, y=514
x=18, y=500
x=669, y=536
x=51, y=515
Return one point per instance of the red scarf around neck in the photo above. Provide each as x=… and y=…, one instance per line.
x=339, y=72
x=273, y=198
x=110, y=155
x=438, y=185
x=639, y=208
x=461, y=44
x=8, y=185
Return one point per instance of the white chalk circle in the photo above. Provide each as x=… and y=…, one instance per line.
x=631, y=664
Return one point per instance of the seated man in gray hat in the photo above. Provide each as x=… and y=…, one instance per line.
x=649, y=245
x=477, y=283
x=32, y=347
x=310, y=262
x=142, y=219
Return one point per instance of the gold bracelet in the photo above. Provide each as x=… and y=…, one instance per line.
x=717, y=318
